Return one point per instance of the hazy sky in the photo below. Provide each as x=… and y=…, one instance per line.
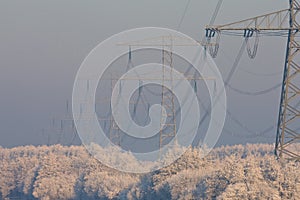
x=42, y=44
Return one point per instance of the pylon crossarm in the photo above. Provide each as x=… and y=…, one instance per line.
x=273, y=21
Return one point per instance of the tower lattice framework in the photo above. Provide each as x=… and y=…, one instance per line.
x=288, y=127
x=168, y=128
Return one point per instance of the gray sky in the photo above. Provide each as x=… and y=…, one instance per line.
x=42, y=44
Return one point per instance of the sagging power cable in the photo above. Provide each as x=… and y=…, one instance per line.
x=257, y=93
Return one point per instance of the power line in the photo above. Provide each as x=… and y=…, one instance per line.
x=250, y=72
x=257, y=93
x=183, y=15
x=235, y=64
x=217, y=9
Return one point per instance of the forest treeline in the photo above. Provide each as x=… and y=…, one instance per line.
x=231, y=172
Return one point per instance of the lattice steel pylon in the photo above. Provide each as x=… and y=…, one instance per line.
x=167, y=43
x=288, y=129
x=114, y=130
x=168, y=128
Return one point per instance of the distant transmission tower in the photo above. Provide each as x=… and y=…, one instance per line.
x=168, y=128
x=114, y=130
x=282, y=23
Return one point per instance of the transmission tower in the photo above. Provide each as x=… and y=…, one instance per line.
x=168, y=128
x=168, y=121
x=114, y=131
x=288, y=130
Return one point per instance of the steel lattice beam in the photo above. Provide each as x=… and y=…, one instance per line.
x=271, y=21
